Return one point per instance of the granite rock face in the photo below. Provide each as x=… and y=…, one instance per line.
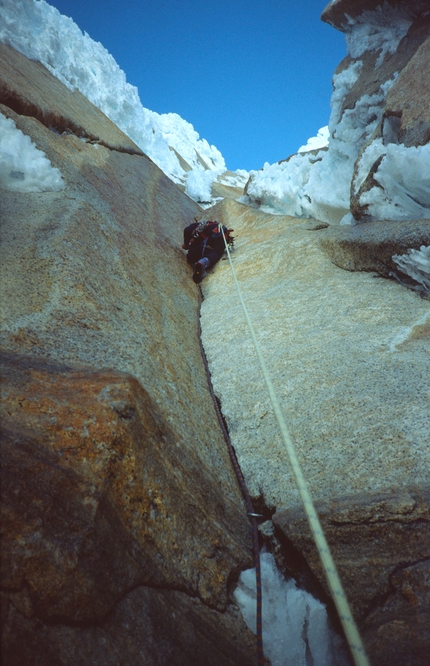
x=372, y=246
x=380, y=543
x=348, y=354
x=124, y=529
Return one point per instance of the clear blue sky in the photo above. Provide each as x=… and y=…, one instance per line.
x=252, y=76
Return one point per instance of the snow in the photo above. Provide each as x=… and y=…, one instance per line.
x=38, y=30
x=342, y=84
x=416, y=264
x=199, y=183
x=295, y=624
x=318, y=141
x=23, y=167
x=306, y=185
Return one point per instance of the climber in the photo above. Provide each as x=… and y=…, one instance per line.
x=205, y=244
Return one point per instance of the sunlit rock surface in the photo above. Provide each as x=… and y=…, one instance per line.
x=123, y=526
x=348, y=354
x=347, y=361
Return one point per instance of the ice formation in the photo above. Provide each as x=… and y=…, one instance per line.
x=380, y=29
x=404, y=181
x=199, y=184
x=416, y=264
x=23, y=167
x=319, y=185
x=295, y=624
x=40, y=32
x=318, y=141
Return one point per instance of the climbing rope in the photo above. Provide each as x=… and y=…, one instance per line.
x=341, y=602
x=245, y=494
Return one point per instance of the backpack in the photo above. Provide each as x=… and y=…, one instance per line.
x=207, y=228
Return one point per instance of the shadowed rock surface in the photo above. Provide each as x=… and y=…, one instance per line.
x=336, y=11
x=380, y=543
x=371, y=246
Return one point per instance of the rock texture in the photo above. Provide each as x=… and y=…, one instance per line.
x=222, y=186
x=371, y=246
x=30, y=90
x=380, y=543
x=350, y=368
x=124, y=529
x=405, y=99
x=348, y=355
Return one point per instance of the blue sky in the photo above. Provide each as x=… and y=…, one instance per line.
x=252, y=77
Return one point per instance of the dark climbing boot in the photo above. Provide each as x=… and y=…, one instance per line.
x=199, y=271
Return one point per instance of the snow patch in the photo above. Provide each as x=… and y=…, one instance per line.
x=23, y=167
x=342, y=84
x=347, y=220
x=404, y=181
x=199, y=184
x=318, y=141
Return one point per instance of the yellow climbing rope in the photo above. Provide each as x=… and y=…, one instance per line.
x=333, y=580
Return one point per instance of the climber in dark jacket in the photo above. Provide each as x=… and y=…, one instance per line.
x=205, y=244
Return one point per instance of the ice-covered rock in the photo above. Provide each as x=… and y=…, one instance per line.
x=416, y=264
x=377, y=164
x=295, y=625
x=39, y=31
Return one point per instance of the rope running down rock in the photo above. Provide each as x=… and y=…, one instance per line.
x=352, y=635
x=245, y=493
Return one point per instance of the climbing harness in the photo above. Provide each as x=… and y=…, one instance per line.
x=348, y=623
x=245, y=493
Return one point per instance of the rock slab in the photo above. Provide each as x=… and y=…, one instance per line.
x=348, y=354
x=120, y=503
